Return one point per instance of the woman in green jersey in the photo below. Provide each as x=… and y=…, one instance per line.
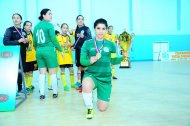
x=45, y=43
x=96, y=55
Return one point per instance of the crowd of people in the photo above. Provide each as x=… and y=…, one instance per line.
x=48, y=51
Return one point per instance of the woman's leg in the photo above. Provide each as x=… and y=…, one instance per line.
x=63, y=79
x=78, y=83
x=87, y=88
x=72, y=79
x=42, y=82
x=102, y=105
x=53, y=77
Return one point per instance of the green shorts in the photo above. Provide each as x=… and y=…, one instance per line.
x=103, y=89
x=46, y=57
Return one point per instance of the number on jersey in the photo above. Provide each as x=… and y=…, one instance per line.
x=40, y=36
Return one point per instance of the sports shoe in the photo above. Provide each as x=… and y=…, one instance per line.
x=55, y=95
x=32, y=87
x=18, y=95
x=50, y=88
x=66, y=88
x=42, y=96
x=29, y=90
x=90, y=113
x=78, y=84
x=114, y=77
x=79, y=88
x=73, y=86
x=24, y=91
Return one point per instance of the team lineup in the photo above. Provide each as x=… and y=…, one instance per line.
x=47, y=50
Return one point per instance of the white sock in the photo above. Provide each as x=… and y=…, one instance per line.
x=54, y=83
x=41, y=83
x=87, y=97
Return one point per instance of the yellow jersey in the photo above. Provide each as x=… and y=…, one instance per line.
x=67, y=59
x=30, y=51
x=111, y=37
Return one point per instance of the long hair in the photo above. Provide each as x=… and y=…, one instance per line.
x=77, y=19
x=43, y=12
x=26, y=23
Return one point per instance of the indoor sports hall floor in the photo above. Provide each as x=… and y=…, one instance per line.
x=148, y=94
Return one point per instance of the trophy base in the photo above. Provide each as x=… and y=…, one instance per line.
x=125, y=64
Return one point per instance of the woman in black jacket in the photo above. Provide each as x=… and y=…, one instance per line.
x=82, y=34
x=15, y=35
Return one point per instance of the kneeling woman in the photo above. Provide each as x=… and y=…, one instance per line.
x=96, y=55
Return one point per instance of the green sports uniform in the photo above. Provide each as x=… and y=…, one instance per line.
x=100, y=71
x=45, y=43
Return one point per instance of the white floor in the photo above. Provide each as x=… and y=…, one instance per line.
x=148, y=94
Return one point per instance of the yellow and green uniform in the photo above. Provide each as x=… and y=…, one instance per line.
x=30, y=51
x=31, y=63
x=100, y=71
x=65, y=61
x=112, y=38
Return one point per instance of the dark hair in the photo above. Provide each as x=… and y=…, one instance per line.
x=18, y=15
x=43, y=12
x=79, y=16
x=77, y=19
x=26, y=22
x=100, y=21
x=64, y=24
x=57, y=32
x=110, y=26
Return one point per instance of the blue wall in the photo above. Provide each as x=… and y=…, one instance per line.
x=151, y=20
x=142, y=47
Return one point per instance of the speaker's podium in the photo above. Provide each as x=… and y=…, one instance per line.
x=9, y=61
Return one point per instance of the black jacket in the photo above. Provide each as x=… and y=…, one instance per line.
x=87, y=36
x=11, y=38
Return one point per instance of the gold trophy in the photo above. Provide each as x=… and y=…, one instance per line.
x=125, y=40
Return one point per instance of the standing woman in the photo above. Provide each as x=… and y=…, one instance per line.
x=31, y=63
x=111, y=37
x=96, y=55
x=15, y=35
x=45, y=43
x=82, y=33
x=65, y=62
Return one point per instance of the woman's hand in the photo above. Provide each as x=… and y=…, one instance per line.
x=62, y=54
x=27, y=40
x=24, y=40
x=93, y=59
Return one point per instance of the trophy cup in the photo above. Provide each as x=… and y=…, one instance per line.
x=125, y=40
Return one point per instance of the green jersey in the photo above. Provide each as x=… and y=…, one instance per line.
x=44, y=35
x=101, y=69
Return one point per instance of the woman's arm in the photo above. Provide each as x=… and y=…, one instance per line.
x=53, y=38
x=7, y=38
x=88, y=35
x=84, y=59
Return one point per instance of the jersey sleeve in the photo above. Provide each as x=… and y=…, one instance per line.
x=70, y=41
x=53, y=38
x=73, y=34
x=87, y=34
x=84, y=59
x=114, y=58
x=7, y=38
x=114, y=38
x=113, y=47
x=34, y=39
